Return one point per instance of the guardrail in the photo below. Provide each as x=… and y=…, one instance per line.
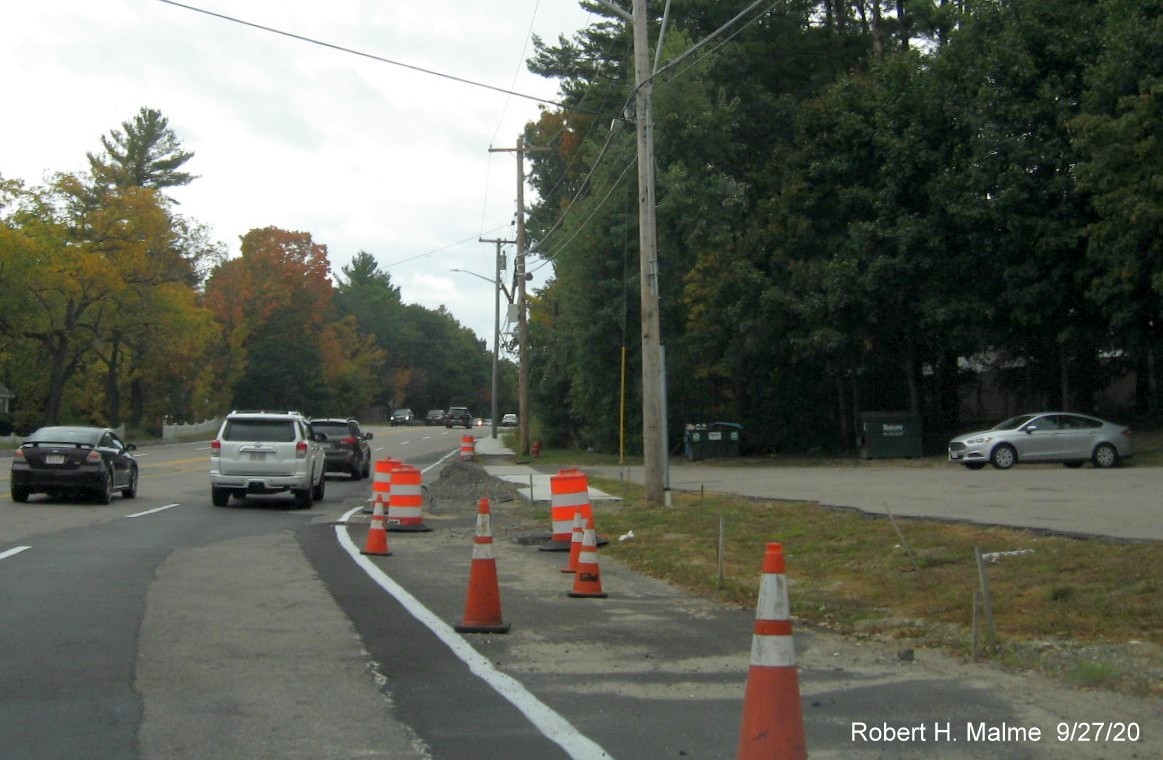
x=190, y=430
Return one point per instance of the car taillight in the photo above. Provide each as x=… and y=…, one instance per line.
x=93, y=456
x=301, y=450
x=215, y=448
x=349, y=440
x=18, y=454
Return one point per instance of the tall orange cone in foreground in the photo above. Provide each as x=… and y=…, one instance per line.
x=773, y=717
x=575, y=546
x=587, y=581
x=482, y=608
x=377, y=535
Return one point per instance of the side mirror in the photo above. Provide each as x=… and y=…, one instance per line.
x=131, y=447
x=1031, y=429
x=368, y=436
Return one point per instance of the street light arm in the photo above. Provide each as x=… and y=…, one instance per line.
x=474, y=274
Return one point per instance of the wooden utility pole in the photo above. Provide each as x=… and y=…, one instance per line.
x=522, y=318
x=653, y=445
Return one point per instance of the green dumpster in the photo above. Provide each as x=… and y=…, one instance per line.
x=707, y=440
x=890, y=435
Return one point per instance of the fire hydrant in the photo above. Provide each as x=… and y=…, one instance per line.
x=536, y=448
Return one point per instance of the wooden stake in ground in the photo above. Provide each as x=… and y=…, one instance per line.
x=987, y=606
x=901, y=536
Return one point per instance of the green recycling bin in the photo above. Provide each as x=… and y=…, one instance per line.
x=706, y=440
x=890, y=435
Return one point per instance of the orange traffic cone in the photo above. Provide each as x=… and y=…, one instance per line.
x=575, y=545
x=377, y=535
x=587, y=581
x=773, y=717
x=482, y=607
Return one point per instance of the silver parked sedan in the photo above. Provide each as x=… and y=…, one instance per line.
x=1071, y=439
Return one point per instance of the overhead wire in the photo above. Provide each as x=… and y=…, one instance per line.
x=361, y=54
x=670, y=65
x=509, y=92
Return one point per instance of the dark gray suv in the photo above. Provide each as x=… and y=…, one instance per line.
x=346, y=446
x=458, y=415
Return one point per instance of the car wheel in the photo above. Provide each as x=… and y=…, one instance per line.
x=219, y=497
x=105, y=487
x=356, y=470
x=974, y=465
x=1072, y=465
x=130, y=491
x=317, y=491
x=1105, y=455
x=19, y=495
x=305, y=498
x=1003, y=457
x=367, y=466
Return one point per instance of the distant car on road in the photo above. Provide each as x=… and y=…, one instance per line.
x=1072, y=439
x=346, y=448
x=401, y=417
x=434, y=417
x=458, y=416
x=64, y=460
x=509, y=420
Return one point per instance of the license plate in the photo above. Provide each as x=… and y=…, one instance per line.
x=954, y=454
x=54, y=459
x=257, y=456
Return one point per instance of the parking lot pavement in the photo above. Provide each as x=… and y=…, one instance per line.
x=1120, y=503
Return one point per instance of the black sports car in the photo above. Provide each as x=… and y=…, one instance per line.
x=63, y=461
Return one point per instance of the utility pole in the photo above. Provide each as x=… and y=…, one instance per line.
x=522, y=318
x=653, y=445
x=496, y=326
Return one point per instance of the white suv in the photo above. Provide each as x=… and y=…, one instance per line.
x=267, y=452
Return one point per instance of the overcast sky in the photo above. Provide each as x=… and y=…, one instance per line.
x=362, y=154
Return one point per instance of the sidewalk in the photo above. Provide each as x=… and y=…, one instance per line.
x=532, y=483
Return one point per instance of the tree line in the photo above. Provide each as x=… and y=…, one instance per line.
x=860, y=205
x=116, y=309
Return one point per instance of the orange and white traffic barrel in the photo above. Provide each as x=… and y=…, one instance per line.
x=468, y=448
x=382, y=482
x=406, y=500
x=569, y=494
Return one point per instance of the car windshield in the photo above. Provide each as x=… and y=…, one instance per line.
x=1013, y=423
x=330, y=429
x=64, y=435
x=271, y=431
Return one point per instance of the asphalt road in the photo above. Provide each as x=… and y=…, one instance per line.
x=1119, y=503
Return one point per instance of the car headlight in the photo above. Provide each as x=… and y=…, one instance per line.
x=980, y=439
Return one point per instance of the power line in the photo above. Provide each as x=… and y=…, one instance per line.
x=369, y=56
x=445, y=247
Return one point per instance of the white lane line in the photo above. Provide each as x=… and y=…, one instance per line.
x=552, y=725
x=151, y=511
x=13, y=551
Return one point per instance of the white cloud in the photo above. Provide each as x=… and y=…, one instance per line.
x=364, y=155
